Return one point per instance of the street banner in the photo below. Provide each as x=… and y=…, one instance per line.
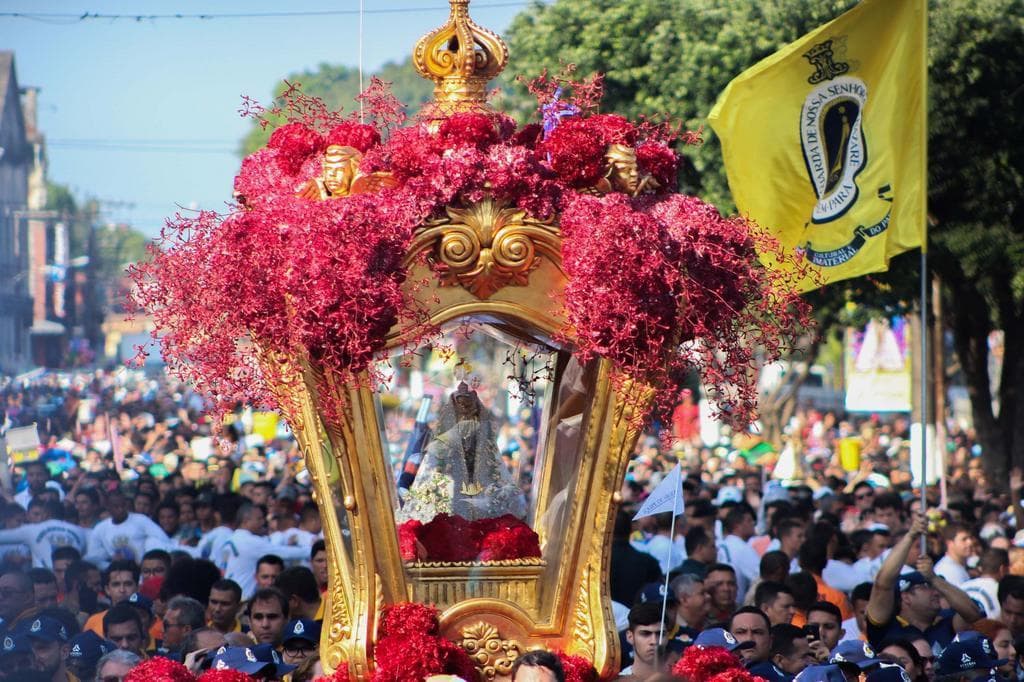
x=825, y=141
x=878, y=367
x=666, y=497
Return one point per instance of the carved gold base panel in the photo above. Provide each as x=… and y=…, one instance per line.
x=518, y=582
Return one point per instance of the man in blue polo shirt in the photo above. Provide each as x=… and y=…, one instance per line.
x=908, y=604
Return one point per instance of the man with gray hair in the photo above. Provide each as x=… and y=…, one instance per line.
x=692, y=604
x=115, y=665
x=184, y=614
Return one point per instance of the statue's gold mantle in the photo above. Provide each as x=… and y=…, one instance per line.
x=481, y=260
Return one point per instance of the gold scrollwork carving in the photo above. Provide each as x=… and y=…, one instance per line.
x=492, y=655
x=486, y=246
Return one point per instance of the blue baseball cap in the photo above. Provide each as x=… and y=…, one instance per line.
x=821, y=673
x=86, y=649
x=265, y=653
x=888, y=672
x=45, y=629
x=909, y=581
x=854, y=652
x=722, y=638
x=140, y=600
x=15, y=644
x=656, y=592
x=967, y=652
x=240, y=658
x=304, y=629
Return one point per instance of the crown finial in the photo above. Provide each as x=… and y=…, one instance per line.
x=460, y=57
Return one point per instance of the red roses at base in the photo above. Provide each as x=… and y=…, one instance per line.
x=452, y=538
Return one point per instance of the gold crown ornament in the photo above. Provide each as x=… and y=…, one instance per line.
x=461, y=58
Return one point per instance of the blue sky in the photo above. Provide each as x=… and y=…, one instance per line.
x=110, y=87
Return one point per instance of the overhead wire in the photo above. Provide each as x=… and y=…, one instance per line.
x=75, y=17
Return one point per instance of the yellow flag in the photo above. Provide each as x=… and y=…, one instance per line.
x=825, y=141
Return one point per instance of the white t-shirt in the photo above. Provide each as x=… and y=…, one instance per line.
x=304, y=537
x=952, y=571
x=25, y=496
x=129, y=539
x=850, y=630
x=665, y=551
x=210, y=544
x=734, y=551
x=843, y=576
x=43, y=538
x=985, y=591
x=243, y=549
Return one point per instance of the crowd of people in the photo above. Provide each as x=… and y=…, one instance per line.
x=130, y=533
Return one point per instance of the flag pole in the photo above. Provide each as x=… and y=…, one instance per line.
x=668, y=561
x=924, y=393
x=924, y=282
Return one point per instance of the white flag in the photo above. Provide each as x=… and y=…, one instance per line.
x=667, y=492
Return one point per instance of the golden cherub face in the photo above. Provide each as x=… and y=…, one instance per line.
x=625, y=176
x=340, y=166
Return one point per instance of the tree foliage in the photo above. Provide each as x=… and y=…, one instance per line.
x=338, y=87
x=677, y=57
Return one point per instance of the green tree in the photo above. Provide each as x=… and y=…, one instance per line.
x=338, y=87
x=676, y=58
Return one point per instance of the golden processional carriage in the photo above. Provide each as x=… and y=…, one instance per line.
x=563, y=284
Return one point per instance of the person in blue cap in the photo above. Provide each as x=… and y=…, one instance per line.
x=243, y=659
x=970, y=656
x=50, y=648
x=821, y=673
x=85, y=651
x=722, y=638
x=790, y=654
x=908, y=604
x=301, y=638
x=854, y=657
x=268, y=654
x=15, y=656
x=888, y=672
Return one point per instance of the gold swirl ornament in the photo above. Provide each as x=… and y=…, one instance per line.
x=486, y=246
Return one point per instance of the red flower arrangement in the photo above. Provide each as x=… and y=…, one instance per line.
x=453, y=538
x=407, y=619
x=159, y=669
x=339, y=675
x=408, y=648
x=659, y=283
x=711, y=663
x=577, y=668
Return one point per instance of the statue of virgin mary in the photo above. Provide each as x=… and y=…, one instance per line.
x=462, y=473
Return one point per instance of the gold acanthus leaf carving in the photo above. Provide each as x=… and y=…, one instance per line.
x=492, y=655
x=583, y=626
x=486, y=246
